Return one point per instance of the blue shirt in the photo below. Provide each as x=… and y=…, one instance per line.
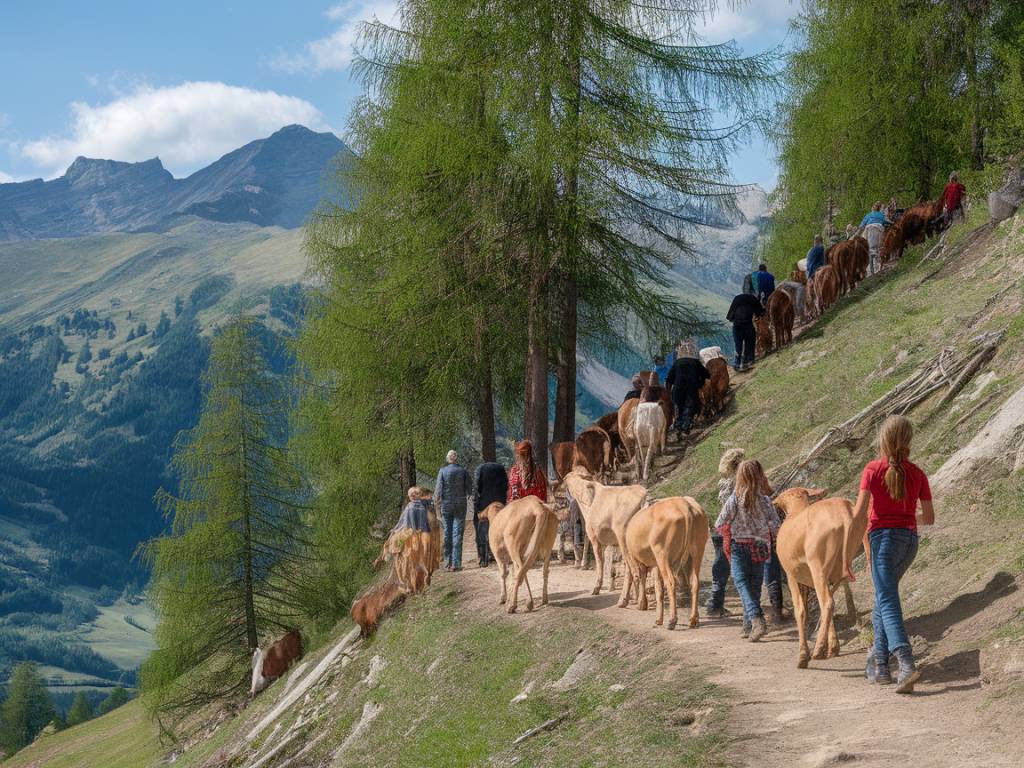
x=873, y=217
x=663, y=369
x=765, y=284
x=453, y=489
x=815, y=260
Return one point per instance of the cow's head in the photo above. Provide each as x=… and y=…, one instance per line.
x=581, y=488
x=491, y=510
x=795, y=499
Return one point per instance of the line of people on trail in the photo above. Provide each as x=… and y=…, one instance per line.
x=894, y=494
x=453, y=491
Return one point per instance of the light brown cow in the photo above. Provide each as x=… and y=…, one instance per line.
x=562, y=458
x=715, y=389
x=626, y=433
x=593, y=452
x=826, y=289
x=606, y=512
x=521, y=532
x=664, y=536
x=269, y=665
x=649, y=429
x=816, y=544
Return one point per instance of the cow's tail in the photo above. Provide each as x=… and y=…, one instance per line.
x=847, y=558
x=532, y=550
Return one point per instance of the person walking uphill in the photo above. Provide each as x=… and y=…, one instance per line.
x=765, y=283
x=952, y=199
x=727, y=467
x=893, y=486
x=525, y=477
x=748, y=524
x=452, y=492
x=742, y=311
x=491, y=484
x=687, y=376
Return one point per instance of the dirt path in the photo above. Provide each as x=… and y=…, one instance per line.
x=780, y=716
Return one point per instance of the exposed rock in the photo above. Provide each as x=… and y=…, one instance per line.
x=521, y=696
x=616, y=687
x=377, y=665
x=1004, y=202
x=1002, y=662
x=370, y=712
x=582, y=667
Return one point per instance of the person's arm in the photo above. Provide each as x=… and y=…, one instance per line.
x=732, y=310
x=927, y=515
x=758, y=308
x=477, y=479
x=860, y=507
x=727, y=513
x=671, y=378
x=439, y=485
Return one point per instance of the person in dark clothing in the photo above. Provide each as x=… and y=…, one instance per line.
x=741, y=314
x=685, y=379
x=491, y=484
x=638, y=387
x=765, y=283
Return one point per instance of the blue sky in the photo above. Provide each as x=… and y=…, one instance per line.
x=190, y=80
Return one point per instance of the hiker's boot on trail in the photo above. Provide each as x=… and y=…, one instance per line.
x=713, y=610
x=747, y=627
x=877, y=670
x=777, y=615
x=759, y=629
x=909, y=673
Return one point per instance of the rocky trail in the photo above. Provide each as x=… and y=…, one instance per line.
x=822, y=716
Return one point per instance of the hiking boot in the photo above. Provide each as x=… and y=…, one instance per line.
x=777, y=616
x=909, y=673
x=759, y=629
x=714, y=611
x=877, y=670
x=745, y=632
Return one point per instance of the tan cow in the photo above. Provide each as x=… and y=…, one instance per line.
x=665, y=536
x=522, y=532
x=649, y=430
x=626, y=433
x=606, y=512
x=816, y=544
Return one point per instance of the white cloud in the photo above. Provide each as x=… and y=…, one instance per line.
x=187, y=125
x=757, y=18
x=6, y=178
x=336, y=51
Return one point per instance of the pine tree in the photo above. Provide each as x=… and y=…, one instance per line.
x=27, y=709
x=116, y=698
x=230, y=570
x=81, y=709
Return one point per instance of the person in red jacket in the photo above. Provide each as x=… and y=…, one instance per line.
x=526, y=478
x=952, y=198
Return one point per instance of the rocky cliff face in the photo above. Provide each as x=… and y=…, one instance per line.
x=272, y=181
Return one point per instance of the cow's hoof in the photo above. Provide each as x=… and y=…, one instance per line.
x=803, y=661
x=597, y=591
x=694, y=623
x=622, y=604
x=672, y=624
x=833, y=652
x=511, y=609
x=529, y=605
x=544, y=601
x=819, y=654
x=658, y=622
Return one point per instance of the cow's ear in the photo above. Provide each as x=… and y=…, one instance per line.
x=816, y=493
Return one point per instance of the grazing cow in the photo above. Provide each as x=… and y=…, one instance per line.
x=562, y=458
x=715, y=389
x=606, y=512
x=626, y=434
x=269, y=665
x=649, y=428
x=666, y=536
x=593, y=452
x=379, y=600
x=522, y=532
x=816, y=544
x=826, y=288
x=780, y=317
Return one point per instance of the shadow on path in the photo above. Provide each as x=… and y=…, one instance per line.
x=931, y=626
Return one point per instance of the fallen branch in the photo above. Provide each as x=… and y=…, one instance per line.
x=948, y=368
x=547, y=725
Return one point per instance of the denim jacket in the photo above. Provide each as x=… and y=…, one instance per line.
x=453, y=489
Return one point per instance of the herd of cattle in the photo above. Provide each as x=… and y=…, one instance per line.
x=666, y=537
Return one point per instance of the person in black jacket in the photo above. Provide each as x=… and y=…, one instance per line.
x=491, y=485
x=741, y=314
x=686, y=378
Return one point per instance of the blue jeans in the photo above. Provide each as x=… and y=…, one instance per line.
x=719, y=574
x=453, y=526
x=773, y=579
x=747, y=576
x=892, y=552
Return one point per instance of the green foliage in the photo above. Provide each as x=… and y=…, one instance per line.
x=230, y=568
x=81, y=709
x=118, y=697
x=877, y=109
x=26, y=710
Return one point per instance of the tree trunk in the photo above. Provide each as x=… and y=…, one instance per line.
x=565, y=368
x=485, y=397
x=535, y=425
x=407, y=469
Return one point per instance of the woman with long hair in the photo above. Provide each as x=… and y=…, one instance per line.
x=748, y=523
x=727, y=467
x=893, y=486
x=526, y=478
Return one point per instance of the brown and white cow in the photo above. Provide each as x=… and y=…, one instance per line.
x=269, y=665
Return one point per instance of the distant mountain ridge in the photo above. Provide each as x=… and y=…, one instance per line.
x=276, y=181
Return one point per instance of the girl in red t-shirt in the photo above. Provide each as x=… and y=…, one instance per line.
x=526, y=478
x=893, y=486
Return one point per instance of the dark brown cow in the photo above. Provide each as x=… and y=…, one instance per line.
x=892, y=244
x=270, y=665
x=610, y=424
x=763, y=329
x=715, y=389
x=780, y=318
x=842, y=257
x=593, y=452
x=861, y=258
x=378, y=600
x=561, y=458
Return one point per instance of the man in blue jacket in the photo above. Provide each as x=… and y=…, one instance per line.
x=451, y=493
x=765, y=283
x=491, y=483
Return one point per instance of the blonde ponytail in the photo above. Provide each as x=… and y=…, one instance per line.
x=894, y=441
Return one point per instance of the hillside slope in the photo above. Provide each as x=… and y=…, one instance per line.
x=449, y=664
